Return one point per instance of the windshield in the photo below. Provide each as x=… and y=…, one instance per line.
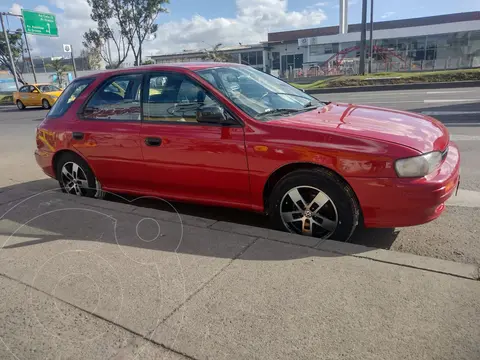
x=48, y=88
x=258, y=94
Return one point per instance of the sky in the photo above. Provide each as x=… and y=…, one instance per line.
x=194, y=24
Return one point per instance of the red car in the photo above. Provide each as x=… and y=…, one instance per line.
x=229, y=135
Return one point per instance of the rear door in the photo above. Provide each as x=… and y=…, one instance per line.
x=186, y=159
x=107, y=133
x=24, y=94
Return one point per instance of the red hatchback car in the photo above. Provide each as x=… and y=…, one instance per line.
x=229, y=135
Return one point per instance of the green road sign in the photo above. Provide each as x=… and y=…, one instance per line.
x=37, y=23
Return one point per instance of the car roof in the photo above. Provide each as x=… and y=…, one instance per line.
x=192, y=66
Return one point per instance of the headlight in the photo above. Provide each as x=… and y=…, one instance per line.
x=418, y=166
x=54, y=97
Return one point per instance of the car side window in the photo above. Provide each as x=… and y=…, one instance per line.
x=115, y=102
x=174, y=98
x=24, y=89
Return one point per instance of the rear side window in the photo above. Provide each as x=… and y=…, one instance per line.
x=117, y=100
x=66, y=99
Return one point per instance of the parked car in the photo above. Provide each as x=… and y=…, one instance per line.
x=229, y=135
x=43, y=95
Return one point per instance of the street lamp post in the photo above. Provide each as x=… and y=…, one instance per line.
x=363, y=38
x=371, y=38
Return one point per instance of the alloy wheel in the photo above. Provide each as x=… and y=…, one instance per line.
x=308, y=211
x=45, y=104
x=74, y=179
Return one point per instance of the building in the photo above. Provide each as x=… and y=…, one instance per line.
x=253, y=55
x=436, y=42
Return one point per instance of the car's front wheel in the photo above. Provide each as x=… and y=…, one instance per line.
x=20, y=105
x=45, y=104
x=314, y=203
x=75, y=176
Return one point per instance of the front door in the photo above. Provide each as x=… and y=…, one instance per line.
x=35, y=96
x=186, y=159
x=107, y=134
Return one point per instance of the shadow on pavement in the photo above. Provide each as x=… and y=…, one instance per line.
x=465, y=114
x=49, y=217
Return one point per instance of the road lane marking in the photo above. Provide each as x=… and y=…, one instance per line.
x=449, y=92
x=458, y=137
x=432, y=113
x=448, y=100
x=465, y=198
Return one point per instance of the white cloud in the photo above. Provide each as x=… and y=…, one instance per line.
x=388, y=14
x=253, y=20
x=317, y=5
x=251, y=23
x=16, y=9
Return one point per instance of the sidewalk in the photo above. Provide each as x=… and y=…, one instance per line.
x=90, y=279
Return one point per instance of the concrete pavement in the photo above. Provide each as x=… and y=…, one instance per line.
x=96, y=279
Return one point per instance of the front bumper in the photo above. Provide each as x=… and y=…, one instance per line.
x=396, y=202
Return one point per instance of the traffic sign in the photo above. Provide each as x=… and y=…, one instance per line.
x=38, y=23
x=67, y=48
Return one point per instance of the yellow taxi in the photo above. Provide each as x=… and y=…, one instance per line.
x=43, y=95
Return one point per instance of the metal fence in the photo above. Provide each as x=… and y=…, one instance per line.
x=351, y=67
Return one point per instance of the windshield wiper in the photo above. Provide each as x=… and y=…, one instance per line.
x=278, y=111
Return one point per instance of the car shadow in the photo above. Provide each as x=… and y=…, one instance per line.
x=37, y=206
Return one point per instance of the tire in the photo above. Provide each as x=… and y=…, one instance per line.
x=20, y=105
x=45, y=104
x=86, y=183
x=336, y=219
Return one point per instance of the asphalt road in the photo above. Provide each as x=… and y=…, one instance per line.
x=454, y=236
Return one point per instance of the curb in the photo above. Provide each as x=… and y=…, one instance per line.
x=415, y=86
x=461, y=270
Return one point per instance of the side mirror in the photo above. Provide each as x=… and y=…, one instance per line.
x=211, y=114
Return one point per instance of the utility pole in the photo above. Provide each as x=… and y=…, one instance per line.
x=73, y=61
x=371, y=38
x=363, y=38
x=12, y=63
x=28, y=49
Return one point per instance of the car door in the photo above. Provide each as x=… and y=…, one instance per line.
x=24, y=94
x=186, y=159
x=35, y=97
x=107, y=134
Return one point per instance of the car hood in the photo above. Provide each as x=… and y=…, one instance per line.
x=416, y=131
x=53, y=93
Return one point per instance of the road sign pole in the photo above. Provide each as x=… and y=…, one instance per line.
x=12, y=63
x=73, y=61
x=28, y=50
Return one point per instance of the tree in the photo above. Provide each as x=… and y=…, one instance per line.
x=136, y=19
x=106, y=36
x=60, y=71
x=92, y=57
x=148, y=62
x=216, y=55
x=16, y=45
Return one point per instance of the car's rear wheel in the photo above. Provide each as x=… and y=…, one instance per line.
x=75, y=176
x=45, y=104
x=20, y=105
x=315, y=203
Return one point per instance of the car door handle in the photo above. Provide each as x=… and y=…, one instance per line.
x=77, y=135
x=152, y=141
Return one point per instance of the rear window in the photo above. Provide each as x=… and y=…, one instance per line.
x=66, y=99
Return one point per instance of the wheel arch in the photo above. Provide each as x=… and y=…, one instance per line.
x=60, y=153
x=286, y=169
